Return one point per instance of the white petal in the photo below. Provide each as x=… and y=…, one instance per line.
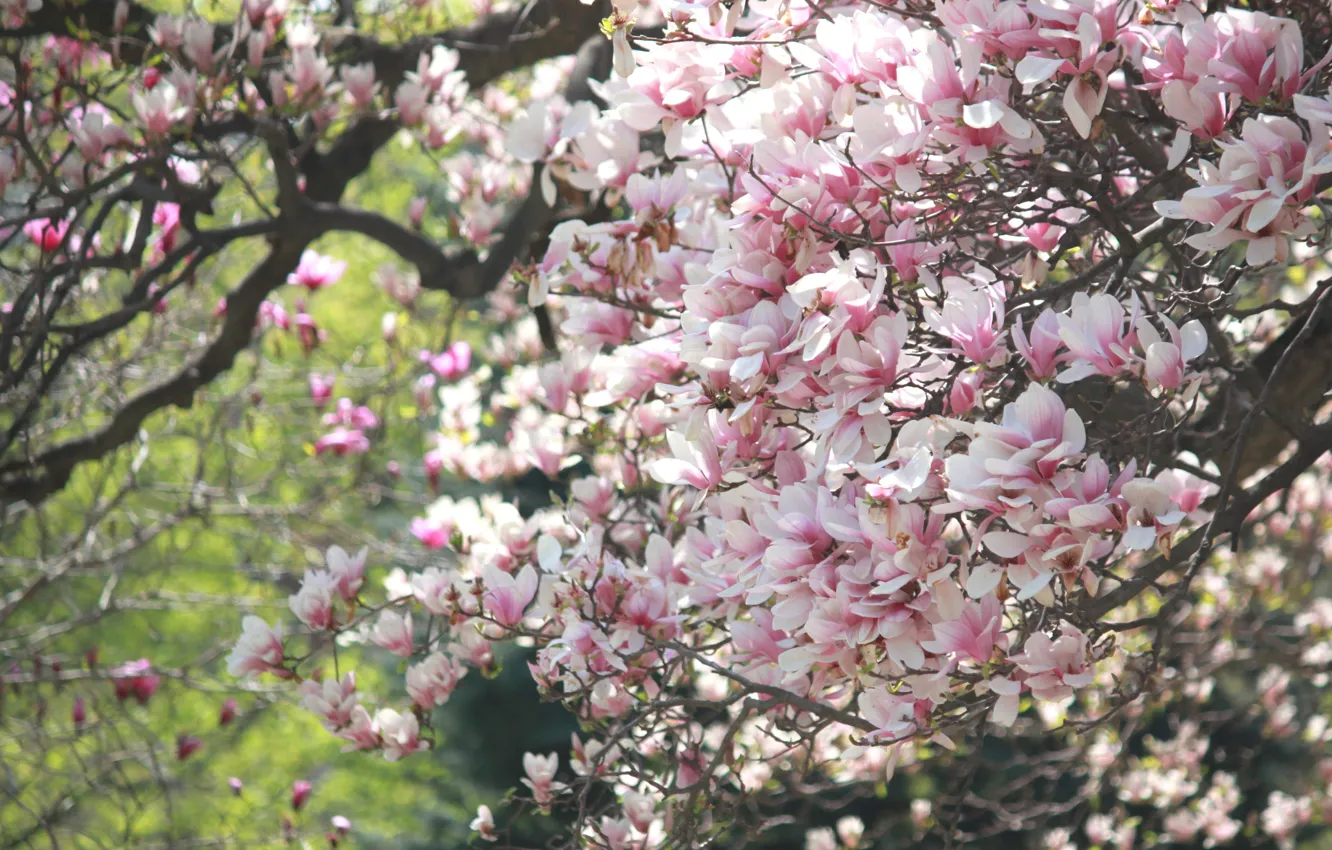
x=1033, y=69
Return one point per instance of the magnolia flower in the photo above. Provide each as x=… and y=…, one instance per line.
x=506, y=597
x=136, y=678
x=348, y=571
x=393, y=631
x=484, y=824
x=332, y=700
x=1055, y=667
x=400, y=733
x=342, y=441
x=197, y=45
x=451, y=363
x=321, y=387
x=300, y=792
x=432, y=681
x=358, y=81
x=187, y=745
x=316, y=271
x=158, y=110
x=1257, y=190
x=46, y=234
x=258, y=650
x=313, y=604
x=95, y=134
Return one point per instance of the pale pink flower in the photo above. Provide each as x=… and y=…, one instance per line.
x=1055, y=667
x=1099, y=336
x=540, y=777
x=484, y=824
x=411, y=98
x=973, y=635
x=158, y=110
x=358, y=81
x=95, y=134
x=347, y=570
x=1041, y=351
x=400, y=733
x=393, y=631
x=507, y=597
x=432, y=681
x=317, y=271
x=333, y=700
x=1257, y=190
x=342, y=441
x=197, y=45
x=972, y=318
x=313, y=604
x=258, y=650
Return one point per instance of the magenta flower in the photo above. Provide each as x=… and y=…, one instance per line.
x=228, y=712
x=321, y=388
x=186, y=746
x=46, y=234
x=300, y=792
x=341, y=441
x=358, y=417
x=135, y=678
x=434, y=464
x=432, y=535
x=451, y=363
x=317, y=271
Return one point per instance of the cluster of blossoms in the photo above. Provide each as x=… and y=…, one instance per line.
x=816, y=387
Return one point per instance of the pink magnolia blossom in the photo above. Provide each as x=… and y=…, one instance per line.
x=332, y=700
x=1055, y=667
x=258, y=650
x=187, y=745
x=348, y=571
x=451, y=363
x=343, y=441
x=313, y=604
x=137, y=679
x=358, y=81
x=317, y=271
x=321, y=387
x=393, y=631
x=507, y=597
x=46, y=234
x=1255, y=192
x=300, y=792
x=357, y=417
x=400, y=734
x=432, y=681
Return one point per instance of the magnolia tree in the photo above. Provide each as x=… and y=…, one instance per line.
x=941, y=390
